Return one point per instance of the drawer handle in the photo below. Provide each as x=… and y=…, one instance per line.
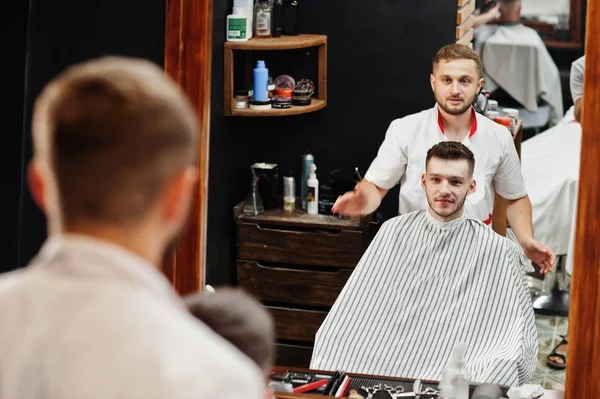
x=300, y=230
x=300, y=269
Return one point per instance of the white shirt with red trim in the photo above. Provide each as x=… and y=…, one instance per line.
x=401, y=158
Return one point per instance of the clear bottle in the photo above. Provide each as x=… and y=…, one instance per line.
x=263, y=13
x=455, y=380
x=289, y=195
x=253, y=204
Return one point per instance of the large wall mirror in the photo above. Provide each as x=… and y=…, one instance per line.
x=188, y=60
x=560, y=22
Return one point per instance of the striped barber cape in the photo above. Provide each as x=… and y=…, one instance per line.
x=421, y=287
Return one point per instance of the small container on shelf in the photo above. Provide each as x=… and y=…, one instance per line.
x=276, y=46
x=281, y=102
x=260, y=105
x=241, y=99
x=301, y=98
x=284, y=92
x=271, y=90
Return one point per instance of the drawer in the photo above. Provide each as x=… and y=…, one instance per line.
x=298, y=245
x=296, y=324
x=291, y=286
x=293, y=355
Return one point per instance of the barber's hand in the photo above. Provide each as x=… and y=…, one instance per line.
x=494, y=13
x=350, y=204
x=541, y=255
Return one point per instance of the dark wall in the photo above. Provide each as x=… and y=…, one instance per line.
x=61, y=33
x=12, y=114
x=379, y=60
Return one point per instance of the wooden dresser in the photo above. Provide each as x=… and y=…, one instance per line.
x=296, y=265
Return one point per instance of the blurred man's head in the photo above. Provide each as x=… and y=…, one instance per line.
x=239, y=319
x=510, y=10
x=114, y=148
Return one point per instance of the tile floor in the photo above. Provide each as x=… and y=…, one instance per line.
x=549, y=328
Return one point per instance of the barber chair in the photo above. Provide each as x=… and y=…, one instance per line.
x=553, y=300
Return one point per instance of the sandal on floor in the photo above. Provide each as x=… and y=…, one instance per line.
x=554, y=353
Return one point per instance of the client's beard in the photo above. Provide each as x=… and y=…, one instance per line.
x=461, y=205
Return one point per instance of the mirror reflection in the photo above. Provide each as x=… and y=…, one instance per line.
x=472, y=277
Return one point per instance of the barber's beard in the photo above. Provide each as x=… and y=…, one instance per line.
x=466, y=105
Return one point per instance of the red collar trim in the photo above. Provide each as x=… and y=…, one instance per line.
x=488, y=221
x=473, y=124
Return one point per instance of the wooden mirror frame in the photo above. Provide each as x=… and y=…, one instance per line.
x=188, y=51
x=583, y=370
x=188, y=61
x=575, y=41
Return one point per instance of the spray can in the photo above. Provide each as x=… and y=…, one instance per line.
x=289, y=195
x=307, y=160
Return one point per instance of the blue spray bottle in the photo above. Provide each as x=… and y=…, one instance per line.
x=261, y=82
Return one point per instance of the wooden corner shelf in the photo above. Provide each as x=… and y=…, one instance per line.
x=277, y=44
x=315, y=105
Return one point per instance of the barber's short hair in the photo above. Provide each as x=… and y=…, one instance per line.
x=238, y=318
x=509, y=5
x=113, y=132
x=457, y=51
x=451, y=150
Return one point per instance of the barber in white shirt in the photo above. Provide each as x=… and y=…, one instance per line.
x=576, y=85
x=92, y=316
x=455, y=81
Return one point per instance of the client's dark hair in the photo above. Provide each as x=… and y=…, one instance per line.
x=239, y=319
x=451, y=150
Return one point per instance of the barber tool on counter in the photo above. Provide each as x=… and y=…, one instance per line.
x=455, y=382
x=289, y=194
x=312, y=192
x=267, y=177
x=337, y=185
x=263, y=190
x=253, y=205
x=307, y=160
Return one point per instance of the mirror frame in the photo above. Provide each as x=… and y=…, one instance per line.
x=188, y=60
x=583, y=370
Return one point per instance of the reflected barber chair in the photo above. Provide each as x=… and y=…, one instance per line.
x=553, y=299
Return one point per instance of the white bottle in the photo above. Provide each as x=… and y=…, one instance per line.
x=236, y=29
x=248, y=6
x=312, y=192
x=455, y=381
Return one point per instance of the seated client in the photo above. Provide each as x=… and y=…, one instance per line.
x=429, y=280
